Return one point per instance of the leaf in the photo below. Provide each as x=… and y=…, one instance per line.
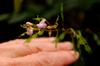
x=22, y=34
x=88, y=48
x=62, y=36
x=15, y=18
x=49, y=2
x=3, y=17
x=82, y=41
x=28, y=40
x=37, y=19
x=17, y=5
x=40, y=33
x=35, y=35
x=96, y=38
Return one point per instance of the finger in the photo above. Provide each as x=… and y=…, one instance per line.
x=38, y=41
x=22, y=41
x=59, y=58
x=26, y=49
x=49, y=46
x=19, y=48
x=12, y=42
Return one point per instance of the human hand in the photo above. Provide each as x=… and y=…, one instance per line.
x=39, y=52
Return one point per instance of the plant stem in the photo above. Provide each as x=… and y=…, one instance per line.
x=56, y=40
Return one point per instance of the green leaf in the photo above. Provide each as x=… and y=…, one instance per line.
x=17, y=5
x=40, y=32
x=15, y=18
x=82, y=41
x=35, y=35
x=96, y=38
x=37, y=19
x=22, y=34
x=62, y=36
x=3, y=17
x=88, y=48
x=28, y=40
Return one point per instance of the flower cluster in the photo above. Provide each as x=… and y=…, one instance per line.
x=30, y=27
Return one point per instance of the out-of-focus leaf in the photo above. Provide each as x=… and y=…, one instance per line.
x=69, y=4
x=40, y=33
x=96, y=38
x=49, y=2
x=35, y=35
x=22, y=34
x=3, y=17
x=37, y=19
x=62, y=36
x=82, y=41
x=17, y=5
x=18, y=17
x=87, y=3
x=54, y=10
x=87, y=48
x=30, y=38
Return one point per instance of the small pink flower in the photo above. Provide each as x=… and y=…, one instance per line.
x=29, y=31
x=42, y=24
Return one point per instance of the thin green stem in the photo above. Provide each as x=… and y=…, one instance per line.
x=56, y=40
x=62, y=15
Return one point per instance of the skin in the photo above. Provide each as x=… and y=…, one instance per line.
x=39, y=52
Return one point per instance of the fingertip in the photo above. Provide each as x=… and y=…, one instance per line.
x=67, y=57
x=75, y=54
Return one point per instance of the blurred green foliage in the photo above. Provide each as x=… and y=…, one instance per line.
x=47, y=9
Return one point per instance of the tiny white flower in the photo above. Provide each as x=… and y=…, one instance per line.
x=29, y=23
